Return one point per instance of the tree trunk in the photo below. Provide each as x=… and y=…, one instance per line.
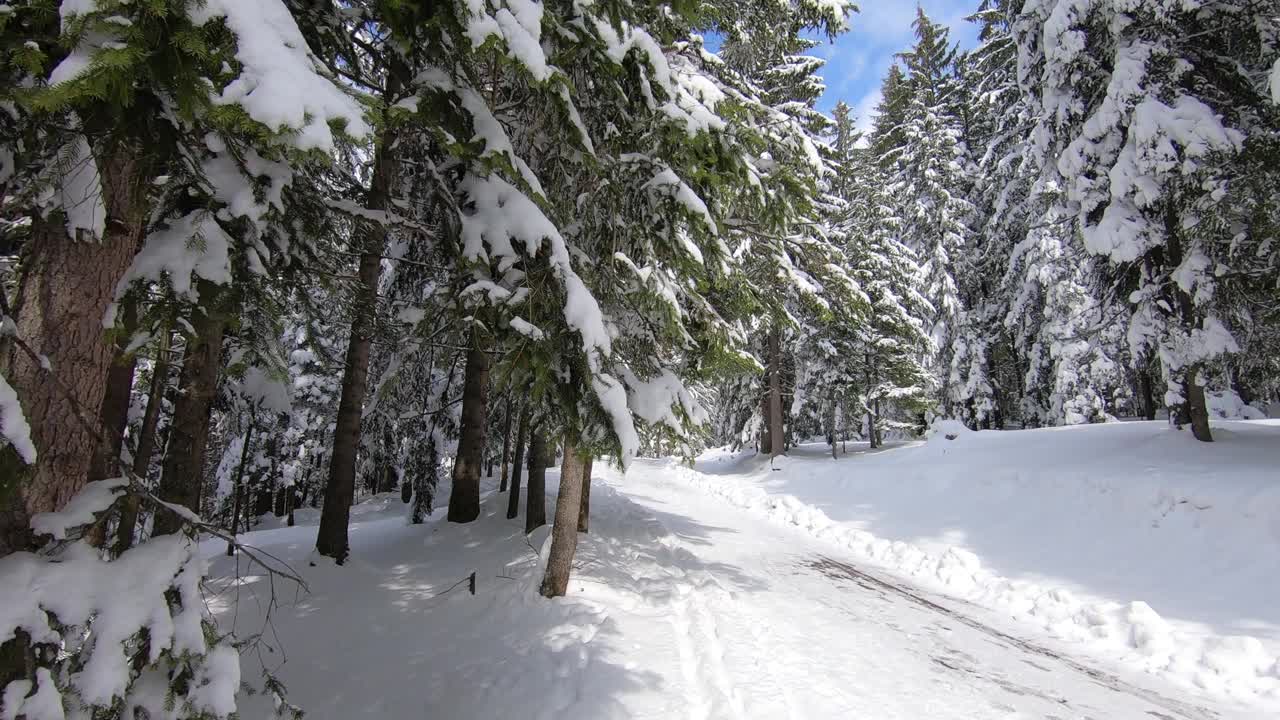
x=464, y=499
x=339, y=491
x=114, y=414
x=1148, y=394
x=113, y=418
x=876, y=436
x=238, y=484
x=831, y=422
x=535, y=511
x=584, y=507
x=146, y=443
x=522, y=431
x=424, y=483
x=766, y=442
x=506, y=445
x=1196, y=406
x=183, y=472
x=65, y=288
x=564, y=533
x=776, y=439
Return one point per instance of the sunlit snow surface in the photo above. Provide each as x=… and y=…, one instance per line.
x=1035, y=574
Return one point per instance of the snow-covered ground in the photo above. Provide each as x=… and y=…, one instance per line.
x=735, y=591
x=1131, y=539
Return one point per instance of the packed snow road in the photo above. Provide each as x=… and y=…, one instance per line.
x=776, y=624
x=682, y=606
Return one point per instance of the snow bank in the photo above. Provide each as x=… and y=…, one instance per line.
x=1060, y=528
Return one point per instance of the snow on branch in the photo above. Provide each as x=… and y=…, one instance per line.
x=280, y=83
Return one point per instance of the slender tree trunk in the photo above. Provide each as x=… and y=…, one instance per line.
x=238, y=484
x=183, y=472
x=875, y=429
x=564, y=533
x=113, y=418
x=114, y=414
x=66, y=285
x=522, y=432
x=831, y=422
x=146, y=443
x=1196, y=405
x=1148, y=394
x=766, y=442
x=584, y=507
x=535, y=512
x=424, y=483
x=777, y=442
x=339, y=492
x=1192, y=409
x=464, y=499
x=506, y=445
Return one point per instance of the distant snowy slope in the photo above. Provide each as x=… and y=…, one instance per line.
x=1132, y=538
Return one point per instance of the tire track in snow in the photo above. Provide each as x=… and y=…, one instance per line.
x=1177, y=709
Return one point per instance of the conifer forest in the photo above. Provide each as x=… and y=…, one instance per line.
x=577, y=359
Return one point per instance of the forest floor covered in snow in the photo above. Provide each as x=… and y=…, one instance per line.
x=1116, y=571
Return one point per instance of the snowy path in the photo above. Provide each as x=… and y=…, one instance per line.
x=783, y=626
x=682, y=607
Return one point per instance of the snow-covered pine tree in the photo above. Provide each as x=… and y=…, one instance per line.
x=894, y=383
x=143, y=103
x=930, y=179
x=1142, y=125
x=782, y=233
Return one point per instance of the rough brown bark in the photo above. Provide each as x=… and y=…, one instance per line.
x=564, y=533
x=339, y=491
x=1196, y=406
x=584, y=507
x=146, y=444
x=506, y=445
x=776, y=443
x=535, y=511
x=522, y=431
x=66, y=286
x=183, y=471
x=464, y=498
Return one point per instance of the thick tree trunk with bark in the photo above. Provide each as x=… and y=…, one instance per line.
x=146, y=443
x=464, y=499
x=564, y=533
x=183, y=472
x=339, y=492
x=777, y=442
x=506, y=445
x=66, y=285
x=522, y=431
x=535, y=511
x=584, y=507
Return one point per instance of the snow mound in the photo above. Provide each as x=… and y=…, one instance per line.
x=947, y=430
x=1227, y=405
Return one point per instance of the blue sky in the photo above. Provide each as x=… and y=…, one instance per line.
x=858, y=60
